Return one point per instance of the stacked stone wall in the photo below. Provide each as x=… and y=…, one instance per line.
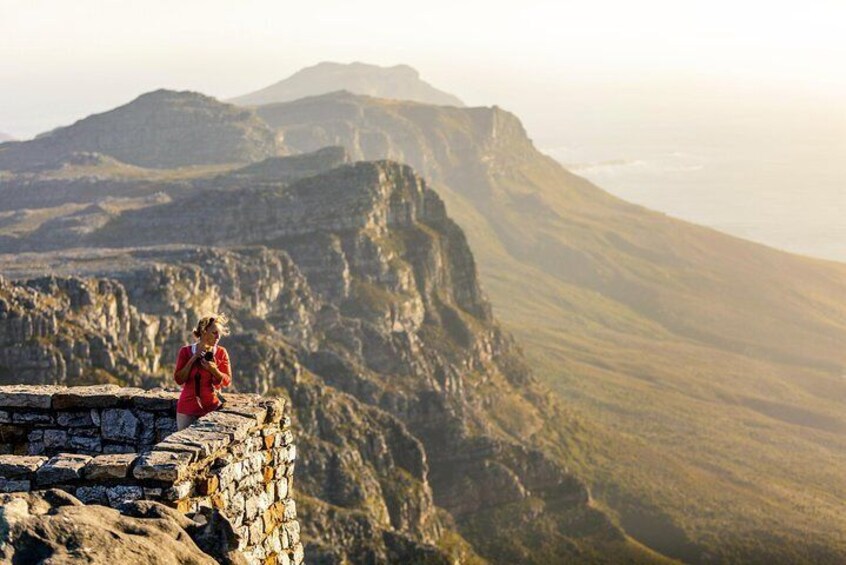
x=107, y=444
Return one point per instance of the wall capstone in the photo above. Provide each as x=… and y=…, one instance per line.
x=106, y=444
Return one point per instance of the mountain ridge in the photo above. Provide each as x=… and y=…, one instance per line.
x=630, y=315
x=687, y=359
x=355, y=292
x=399, y=81
x=159, y=129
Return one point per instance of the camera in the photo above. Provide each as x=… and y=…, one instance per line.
x=208, y=355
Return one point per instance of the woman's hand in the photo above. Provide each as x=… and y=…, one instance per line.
x=211, y=367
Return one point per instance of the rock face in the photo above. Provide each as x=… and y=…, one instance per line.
x=400, y=82
x=161, y=129
x=56, y=527
x=580, y=274
x=356, y=294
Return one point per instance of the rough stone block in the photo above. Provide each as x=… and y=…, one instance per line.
x=270, y=520
x=242, y=535
x=32, y=418
x=287, y=437
x=35, y=448
x=165, y=424
x=27, y=396
x=209, y=442
x=297, y=555
x=256, y=531
x=98, y=396
x=237, y=505
x=179, y=490
x=5, y=417
x=119, y=448
x=85, y=443
x=291, y=531
x=194, y=451
x=208, y=485
x=92, y=494
x=263, y=501
x=124, y=493
x=12, y=466
x=112, y=466
x=235, y=425
x=156, y=400
x=148, y=427
x=275, y=408
x=62, y=467
x=218, y=501
x=290, y=510
x=257, y=413
x=55, y=439
x=152, y=492
x=119, y=424
x=162, y=465
x=226, y=474
x=35, y=435
x=282, y=489
x=76, y=419
x=15, y=485
x=248, y=482
x=250, y=507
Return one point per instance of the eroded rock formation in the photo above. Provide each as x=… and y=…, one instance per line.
x=353, y=292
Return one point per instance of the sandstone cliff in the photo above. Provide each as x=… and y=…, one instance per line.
x=356, y=294
x=636, y=317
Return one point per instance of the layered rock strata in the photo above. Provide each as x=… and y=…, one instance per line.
x=109, y=445
x=354, y=292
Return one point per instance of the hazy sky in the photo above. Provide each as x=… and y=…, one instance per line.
x=61, y=60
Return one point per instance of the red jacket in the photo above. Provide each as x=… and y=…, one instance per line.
x=188, y=399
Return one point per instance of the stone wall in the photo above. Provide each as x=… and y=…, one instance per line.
x=106, y=445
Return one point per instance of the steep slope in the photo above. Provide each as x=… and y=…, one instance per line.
x=401, y=82
x=354, y=292
x=707, y=370
x=161, y=129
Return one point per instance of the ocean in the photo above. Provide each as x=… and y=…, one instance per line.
x=776, y=183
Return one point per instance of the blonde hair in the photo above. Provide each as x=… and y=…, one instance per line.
x=221, y=319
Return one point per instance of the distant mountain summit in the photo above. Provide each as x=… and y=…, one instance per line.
x=161, y=129
x=399, y=82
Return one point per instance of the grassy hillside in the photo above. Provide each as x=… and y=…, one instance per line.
x=704, y=372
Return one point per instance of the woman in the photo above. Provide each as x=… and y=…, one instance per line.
x=201, y=369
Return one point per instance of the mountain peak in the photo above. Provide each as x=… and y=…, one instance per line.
x=400, y=82
x=158, y=129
